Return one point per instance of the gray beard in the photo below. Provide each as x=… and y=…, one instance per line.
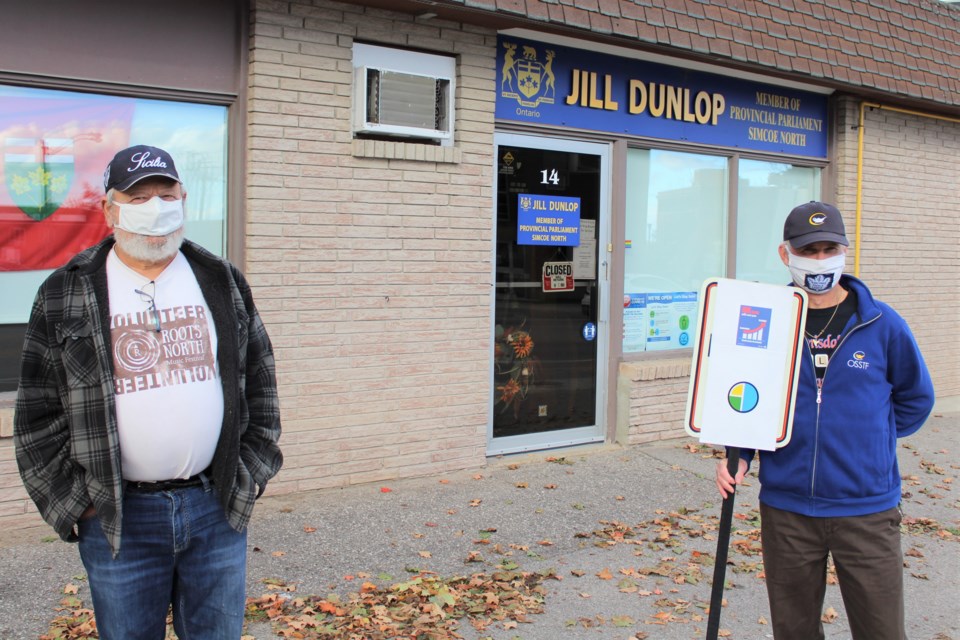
x=150, y=249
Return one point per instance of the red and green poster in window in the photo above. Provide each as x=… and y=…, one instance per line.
x=54, y=153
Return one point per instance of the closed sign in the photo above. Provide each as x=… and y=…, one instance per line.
x=557, y=276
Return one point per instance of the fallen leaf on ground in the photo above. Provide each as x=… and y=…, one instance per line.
x=425, y=606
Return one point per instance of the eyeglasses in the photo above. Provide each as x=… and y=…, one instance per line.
x=148, y=298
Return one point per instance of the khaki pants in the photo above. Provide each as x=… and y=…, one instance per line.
x=866, y=552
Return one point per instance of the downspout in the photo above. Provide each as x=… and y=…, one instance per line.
x=860, y=126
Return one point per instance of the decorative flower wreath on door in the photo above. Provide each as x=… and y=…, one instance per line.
x=515, y=366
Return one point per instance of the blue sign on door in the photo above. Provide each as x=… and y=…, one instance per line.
x=548, y=220
x=589, y=331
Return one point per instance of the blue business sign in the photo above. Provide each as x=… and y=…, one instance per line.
x=548, y=220
x=549, y=84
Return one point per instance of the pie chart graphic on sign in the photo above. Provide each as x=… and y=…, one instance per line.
x=743, y=397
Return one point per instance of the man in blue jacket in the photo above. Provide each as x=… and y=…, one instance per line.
x=835, y=488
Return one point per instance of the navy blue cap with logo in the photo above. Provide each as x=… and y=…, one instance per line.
x=814, y=222
x=133, y=164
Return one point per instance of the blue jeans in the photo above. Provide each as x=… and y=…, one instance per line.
x=176, y=548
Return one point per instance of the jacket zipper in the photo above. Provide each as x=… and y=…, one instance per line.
x=816, y=431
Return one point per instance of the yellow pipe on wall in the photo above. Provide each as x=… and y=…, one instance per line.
x=860, y=127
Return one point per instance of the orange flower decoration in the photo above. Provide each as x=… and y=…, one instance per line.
x=508, y=391
x=516, y=366
x=522, y=345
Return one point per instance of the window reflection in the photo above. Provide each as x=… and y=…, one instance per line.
x=675, y=238
x=56, y=145
x=676, y=235
x=767, y=192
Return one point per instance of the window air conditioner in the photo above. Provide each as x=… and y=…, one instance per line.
x=407, y=105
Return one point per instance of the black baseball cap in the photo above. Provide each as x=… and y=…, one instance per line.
x=133, y=164
x=814, y=222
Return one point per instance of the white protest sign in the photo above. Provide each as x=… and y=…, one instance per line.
x=746, y=363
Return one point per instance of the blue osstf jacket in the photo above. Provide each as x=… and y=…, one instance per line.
x=842, y=456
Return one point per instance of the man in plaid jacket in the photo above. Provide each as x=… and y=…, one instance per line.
x=147, y=416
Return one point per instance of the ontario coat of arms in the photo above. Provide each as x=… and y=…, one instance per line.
x=527, y=80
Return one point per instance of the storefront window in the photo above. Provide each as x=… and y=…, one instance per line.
x=767, y=192
x=675, y=238
x=56, y=145
x=676, y=222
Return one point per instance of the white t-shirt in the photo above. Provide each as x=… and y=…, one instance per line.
x=167, y=387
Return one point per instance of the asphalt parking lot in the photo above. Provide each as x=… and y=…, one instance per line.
x=619, y=543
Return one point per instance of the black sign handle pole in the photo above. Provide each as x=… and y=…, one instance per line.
x=723, y=545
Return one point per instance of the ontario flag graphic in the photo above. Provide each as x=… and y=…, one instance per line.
x=54, y=153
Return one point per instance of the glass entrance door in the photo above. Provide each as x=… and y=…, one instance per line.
x=550, y=309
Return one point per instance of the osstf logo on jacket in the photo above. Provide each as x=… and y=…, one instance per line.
x=858, y=361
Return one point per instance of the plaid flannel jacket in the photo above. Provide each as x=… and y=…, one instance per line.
x=65, y=425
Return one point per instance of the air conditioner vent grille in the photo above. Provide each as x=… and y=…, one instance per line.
x=403, y=104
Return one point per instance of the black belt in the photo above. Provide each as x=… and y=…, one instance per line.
x=167, y=485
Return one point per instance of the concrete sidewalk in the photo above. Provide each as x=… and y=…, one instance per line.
x=629, y=532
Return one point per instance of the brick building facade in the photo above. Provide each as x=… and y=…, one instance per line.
x=376, y=261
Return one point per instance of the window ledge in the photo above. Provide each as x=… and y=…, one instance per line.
x=405, y=151
x=656, y=369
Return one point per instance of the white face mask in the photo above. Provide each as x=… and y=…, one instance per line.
x=155, y=217
x=816, y=276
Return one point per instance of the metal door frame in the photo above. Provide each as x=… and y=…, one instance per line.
x=579, y=435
